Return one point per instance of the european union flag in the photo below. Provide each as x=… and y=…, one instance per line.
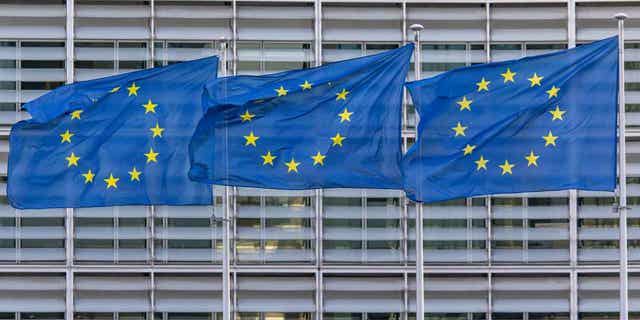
x=335, y=126
x=535, y=124
x=120, y=140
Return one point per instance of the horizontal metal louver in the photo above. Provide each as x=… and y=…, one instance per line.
x=188, y=293
x=363, y=294
x=452, y=293
x=122, y=293
x=275, y=294
x=32, y=293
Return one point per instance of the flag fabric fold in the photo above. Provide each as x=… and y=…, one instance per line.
x=539, y=123
x=120, y=140
x=334, y=126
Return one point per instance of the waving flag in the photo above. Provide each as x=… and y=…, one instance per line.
x=539, y=123
x=121, y=140
x=335, y=126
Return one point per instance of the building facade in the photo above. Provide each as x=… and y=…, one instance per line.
x=318, y=254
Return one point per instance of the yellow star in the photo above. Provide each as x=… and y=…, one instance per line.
x=465, y=104
x=133, y=89
x=115, y=89
x=468, y=149
x=508, y=76
x=345, y=115
x=157, y=131
x=342, y=95
x=251, y=139
x=553, y=92
x=247, y=116
x=149, y=107
x=281, y=91
x=76, y=114
x=152, y=156
x=135, y=174
x=66, y=136
x=112, y=182
x=337, y=140
x=483, y=85
x=532, y=158
x=318, y=159
x=459, y=130
x=72, y=160
x=481, y=163
x=292, y=165
x=88, y=177
x=557, y=113
x=306, y=85
x=268, y=158
x=549, y=139
x=535, y=80
x=506, y=167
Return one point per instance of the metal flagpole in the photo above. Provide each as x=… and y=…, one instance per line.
x=622, y=171
x=416, y=28
x=226, y=220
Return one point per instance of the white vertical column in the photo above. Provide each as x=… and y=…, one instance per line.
x=317, y=32
x=622, y=171
x=487, y=7
x=234, y=36
x=417, y=62
x=573, y=194
x=152, y=31
x=571, y=23
x=226, y=220
x=70, y=35
x=317, y=14
x=487, y=50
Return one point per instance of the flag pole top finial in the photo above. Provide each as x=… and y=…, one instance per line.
x=416, y=27
x=620, y=16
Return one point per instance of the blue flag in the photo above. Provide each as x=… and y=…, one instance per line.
x=121, y=140
x=335, y=126
x=535, y=124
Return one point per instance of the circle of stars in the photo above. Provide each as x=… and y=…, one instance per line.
x=484, y=85
x=268, y=159
x=111, y=181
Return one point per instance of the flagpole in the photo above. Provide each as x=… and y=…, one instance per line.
x=226, y=220
x=416, y=28
x=622, y=208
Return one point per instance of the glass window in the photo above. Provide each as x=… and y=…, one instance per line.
x=189, y=316
x=275, y=228
x=343, y=230
x=187, y=234
x=9, y=101
x=132, y=316
x=597, y=230
x=92, y=316
x=342, y=316
x=286, y=56
x=41, y=316
x=94, y=59
x=598, y=315
x=508, y=316
x=332, y=52
x=548, y=229
x=506, y=51
x=132, y=56
x=549, y=316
